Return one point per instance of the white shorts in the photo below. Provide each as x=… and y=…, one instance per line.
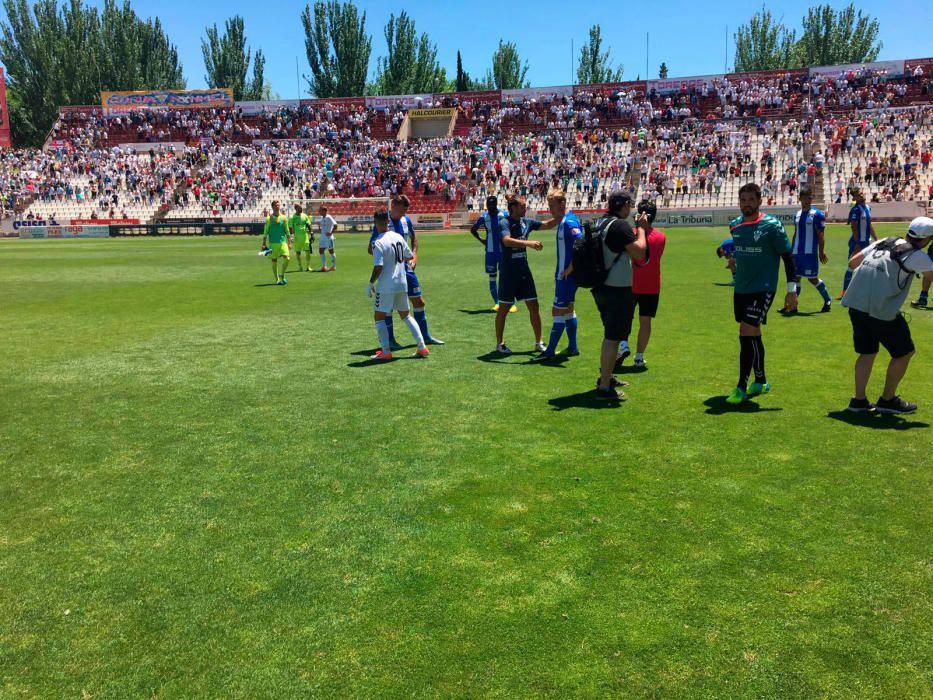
x=325, y=242
x=387, y=303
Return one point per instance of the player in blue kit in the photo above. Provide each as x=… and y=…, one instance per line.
x=515, y=281
x=402, y=225
x=727, y=250
x=863, y=232
x=565, y=286
x=808, y=246
x=493, y=220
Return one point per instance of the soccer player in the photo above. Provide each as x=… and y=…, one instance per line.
x=727, y=250
x=862, y=231
x=493, y=220
x=402, y=225
x=389, y=283
x=808, y=246
x=515, y=280
x=328, y=226
x=760, y=244
x=300, y=224
x=646, y=285
x=276, y=232
x=565, y=286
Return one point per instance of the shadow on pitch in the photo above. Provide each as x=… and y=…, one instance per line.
x=371, y=363
x=367, y=353
x=585, y=399
x=876, y=421
x=722, y=284
x=717, y=406
x=477, y=312
x=269, y=284
x=500, y=359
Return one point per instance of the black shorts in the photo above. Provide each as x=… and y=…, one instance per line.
x=516, y=285
x=647, y=304
x=868, y=333
x=752, y=308
x=616, y=308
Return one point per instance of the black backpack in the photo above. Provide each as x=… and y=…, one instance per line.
x=589, y=265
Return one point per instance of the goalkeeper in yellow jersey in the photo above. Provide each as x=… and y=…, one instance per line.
x=276, y=232
x=300, y=225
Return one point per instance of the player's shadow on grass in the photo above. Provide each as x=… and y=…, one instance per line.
x=372, y=363
x=477, y=312
x=717, y=406
x=585, y=399
x=368, y=353
x=500, y=359
x=722, y=284
x=268, y=284
x=876, y=421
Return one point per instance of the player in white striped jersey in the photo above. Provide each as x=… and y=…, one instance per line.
x=808, y=247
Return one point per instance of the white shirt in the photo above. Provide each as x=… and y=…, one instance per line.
x=391, y=251
x=328, y=223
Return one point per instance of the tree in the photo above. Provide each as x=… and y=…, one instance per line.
x=507, y=72
x=662, y=71
x=830, y=37
x=60, y=55
x=763, y=44
x=463, y=78
x=593, y=66
x=411, y=66
x=338, y=49
x=227, y=58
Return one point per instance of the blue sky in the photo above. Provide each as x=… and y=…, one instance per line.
x=689, y=37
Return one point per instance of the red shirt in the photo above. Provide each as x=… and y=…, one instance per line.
x=646, y=276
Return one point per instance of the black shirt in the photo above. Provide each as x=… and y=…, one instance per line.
x=619, y=234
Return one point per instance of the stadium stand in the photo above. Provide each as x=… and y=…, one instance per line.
x=689, y=142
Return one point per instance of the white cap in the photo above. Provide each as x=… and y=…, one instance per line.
x=921, y=227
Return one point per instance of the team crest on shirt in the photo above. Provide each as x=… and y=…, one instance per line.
x=757, y=235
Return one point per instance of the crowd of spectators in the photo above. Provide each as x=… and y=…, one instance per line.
x=781, y=131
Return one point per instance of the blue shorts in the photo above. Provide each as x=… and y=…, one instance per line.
x=852, y=246
x=516, y=285
x=807, y=265
x=492, y=263
x=565, y=291
x=414, y=286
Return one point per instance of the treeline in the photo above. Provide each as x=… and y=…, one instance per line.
x=59, y=53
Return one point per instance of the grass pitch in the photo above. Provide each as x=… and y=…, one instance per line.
x=207, y=491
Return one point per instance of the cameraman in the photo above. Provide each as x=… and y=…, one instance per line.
x=614, y=299
x=883, y=272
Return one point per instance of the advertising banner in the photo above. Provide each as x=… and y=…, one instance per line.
x=104, y=222
x=668, y=87
x=4, y=114
x=607, y=89
x=543, y=94
x=430, y=221
x=432, y=113
x=490, y=97
x=392, y=101
x=143, y=99
x=924, y=63
x=769, y=75
x=64, y=232
x=251, y=109
x=892, y=68
x=337, y=102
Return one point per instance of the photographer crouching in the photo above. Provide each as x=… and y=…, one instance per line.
x=883, y=273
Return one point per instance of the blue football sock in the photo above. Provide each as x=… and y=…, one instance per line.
x=422, y=321
x=846, y=280
x=494, y=289
x=923, y=295
x=821, y=288
x=571, y=323
x=557, y=330
x=391, y=331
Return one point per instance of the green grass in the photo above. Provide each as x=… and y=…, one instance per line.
x=202, y=493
